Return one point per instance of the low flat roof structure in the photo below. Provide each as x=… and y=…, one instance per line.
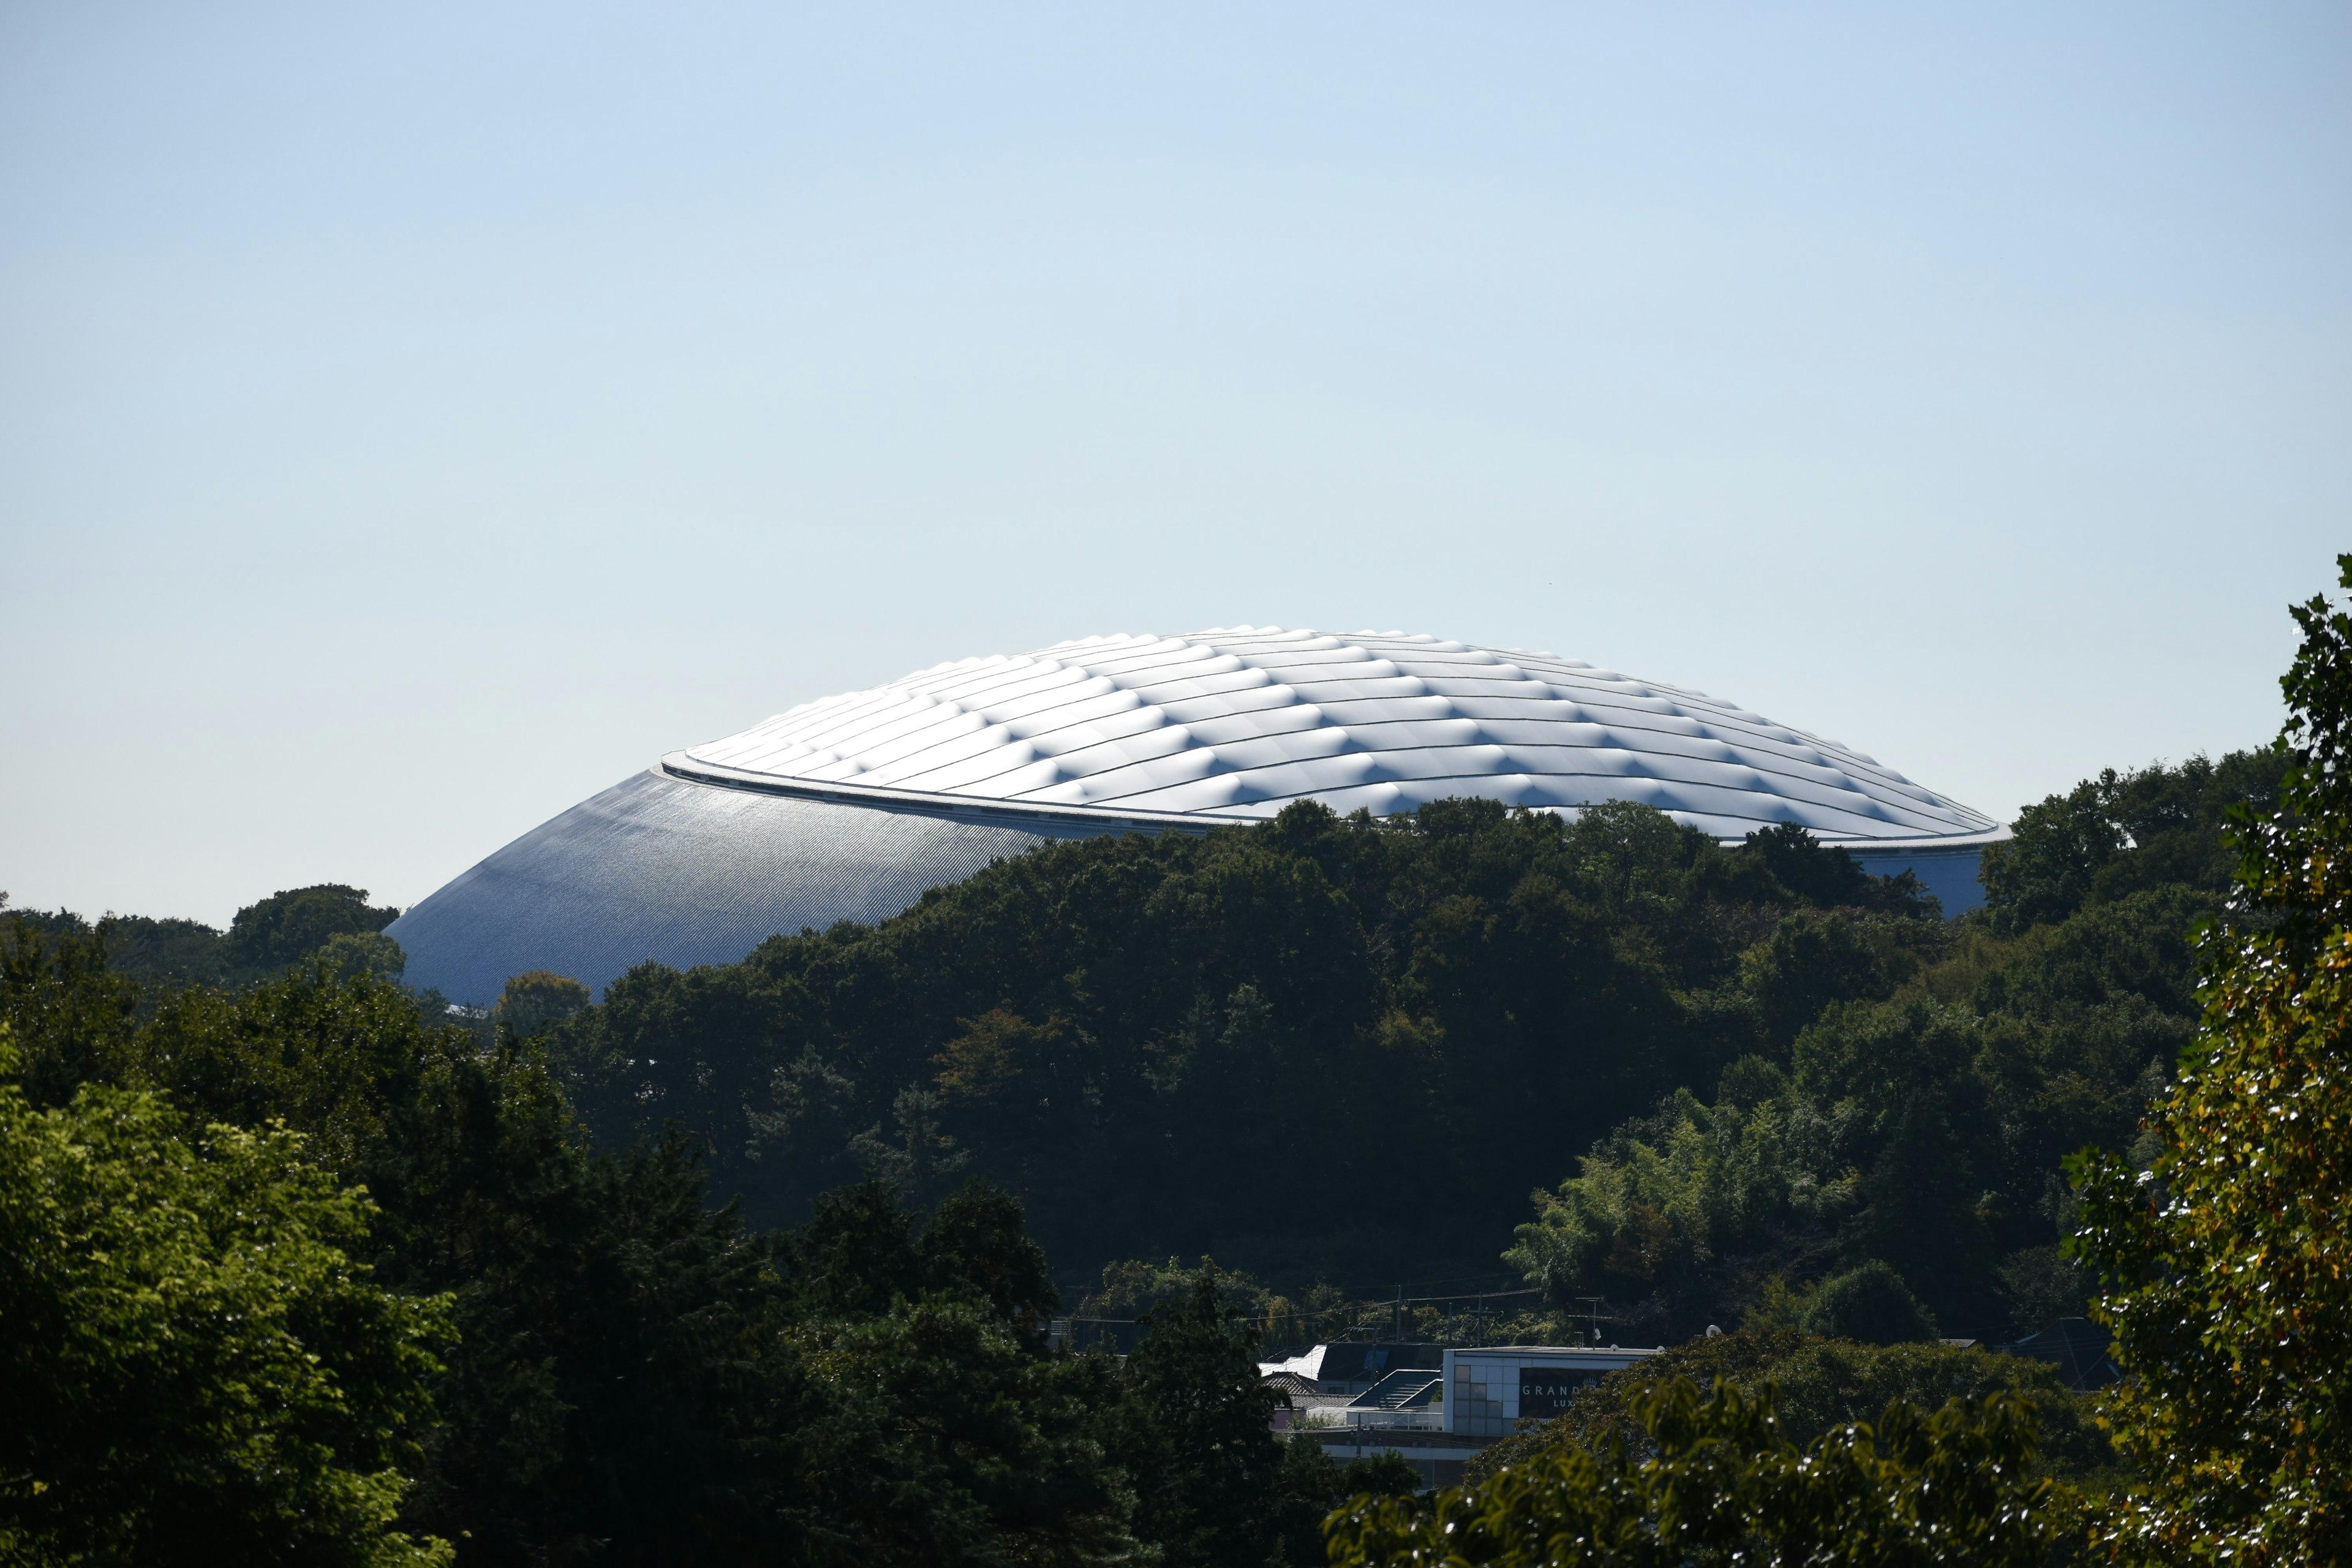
x=1438, y=1456
x=1483, y=1394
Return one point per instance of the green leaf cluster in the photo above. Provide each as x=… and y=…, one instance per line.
x=2225, y=1248
x=1920, y=1125
x=2123, y=833
x=1715, y=1481
x=1417, y=1013
x=1820, y=1385
x=288, y=928
x=535, y=1353
x=197, y=1365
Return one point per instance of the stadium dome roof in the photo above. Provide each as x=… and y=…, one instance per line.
x=1236, y=723
x=851, y=806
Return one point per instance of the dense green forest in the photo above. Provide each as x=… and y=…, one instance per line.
x=298, y=1273
x=2218, y=1243
x=555, y=1338
x=1313, y=1045
x=1346, y=1050
x=1806, y=1103
x=751, y=1263
x=329, y=921
x=304, y=1265
x=1334, y=1053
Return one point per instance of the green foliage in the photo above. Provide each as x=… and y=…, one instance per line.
x=348, y=955
x=1879, y=1146
x=1871, y=1304
x=1418, y=1012
x=635, y=1377
x=937, y=1426
x=1920, y=1113
x=1418, y=1016
x=538, y=998
x=1662, y=1201
x=1828, y=878
x=72, y=1017
x=942, y=1435
x=1214, y=1489
x=197, y=1368
x=2044, y=1285
x=2123, y=833
x=336, y=1058
x=2227, y=1266
x=289, y=926
x=1812, y=958
x=163, y=955
x=1821, y=1385
x=621, y=1387
x=1716, y=1482
x=1132, y=1288
x=1313, y=1485
x=1195, y=1428
x=922, y=1160
x=1825, y=1384
x=48, y=922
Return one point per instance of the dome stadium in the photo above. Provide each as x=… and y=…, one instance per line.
x=851, y=806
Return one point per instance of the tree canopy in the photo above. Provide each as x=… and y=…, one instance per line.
x=392, y=1304
x=270, y=934
x=1422, y=1014
x=1716, y=1482
x=197, y=1365
x=2226, y=1253
x=1920, y=1120
x=750, y=1264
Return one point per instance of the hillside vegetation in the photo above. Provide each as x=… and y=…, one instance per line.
x=299, y=1273
x=2221, y=1252
x=1341, y=1052
x=291, y=926
x=1349, y=1048
x=298, y=1265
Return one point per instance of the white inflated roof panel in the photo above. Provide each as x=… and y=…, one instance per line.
x=1238, y=722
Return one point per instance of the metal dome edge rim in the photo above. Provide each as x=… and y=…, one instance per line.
x=686, y=769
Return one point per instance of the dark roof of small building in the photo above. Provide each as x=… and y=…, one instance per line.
x=1406, y=1389
x=1355, y=1361
x=2077, y=1347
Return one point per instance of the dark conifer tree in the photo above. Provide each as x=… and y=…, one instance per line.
x=1195, y=1432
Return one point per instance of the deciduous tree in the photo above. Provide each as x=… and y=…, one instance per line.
x=2229, y=1258
x=196, y=1367
x=1719, y=1485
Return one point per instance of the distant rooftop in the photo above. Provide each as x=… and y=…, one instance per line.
x=1407, y=1389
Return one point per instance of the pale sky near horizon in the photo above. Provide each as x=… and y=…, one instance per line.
x=415, y=419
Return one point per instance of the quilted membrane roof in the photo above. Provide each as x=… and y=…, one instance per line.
x=1235, y=723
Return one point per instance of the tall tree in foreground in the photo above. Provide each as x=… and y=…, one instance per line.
x=191, y=1366
x=1193, y=1430
x=2229, y=1259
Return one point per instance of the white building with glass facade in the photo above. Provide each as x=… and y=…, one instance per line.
x=1488, y=1391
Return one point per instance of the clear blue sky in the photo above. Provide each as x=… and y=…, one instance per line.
x=415, y=418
